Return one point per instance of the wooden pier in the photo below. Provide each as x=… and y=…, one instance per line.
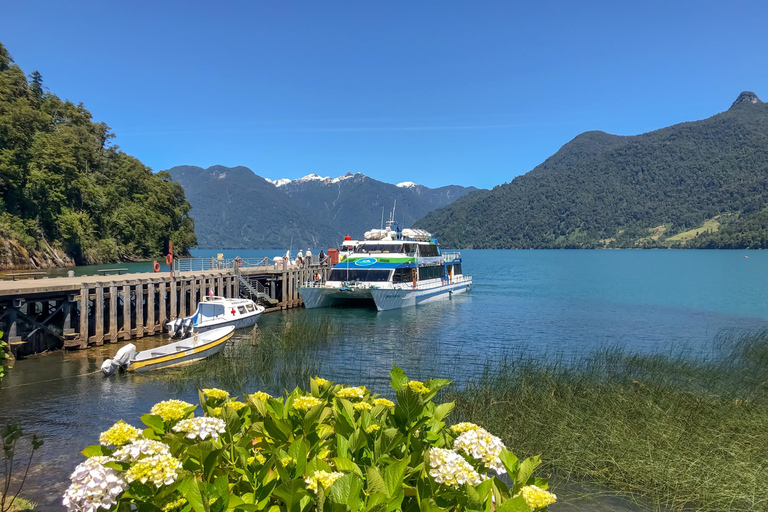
x=77, y=312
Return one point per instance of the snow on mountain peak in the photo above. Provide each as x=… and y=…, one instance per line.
x=280, y=182
x=407, y=184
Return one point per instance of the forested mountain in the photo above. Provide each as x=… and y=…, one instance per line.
x=602, y=190
x=67, y=193
x=235, y=208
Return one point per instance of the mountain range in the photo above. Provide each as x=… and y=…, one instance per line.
x=234, y=208
x=695, y=184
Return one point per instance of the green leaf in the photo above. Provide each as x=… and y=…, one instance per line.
x=291, y=493
x=154, y=422
x=409, y=405
x=96, y=450
x=397, y=378
x=221, y=489
x=190, y=489
x=443, y=410
x=393, y=476
x=346, y=490
x=375, y=481
x=525, y=471
x=298, y=450
x=436, y=385
x=346, y=465
x=514, y=505
x=509, y=461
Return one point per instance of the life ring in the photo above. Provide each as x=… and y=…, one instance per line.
x=156, y=267
x=239, y=261
x=168, y=260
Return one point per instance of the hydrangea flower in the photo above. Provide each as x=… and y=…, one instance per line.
x=482, y=446
x=322, y=478
x=450, y=468
x=260, y=395
x=384, y=402
x=171, y=410
x=287, y=461
x=353, y=393
x=201, y=427
x=176, y=504
x=463, y=427
x=93, y=486
x=236, y=405
x=119, y=434
x=304, y=403
x=258, y=458
x=321, y=381
x=141, y=448
x=363, y=406
x=536, y=498
x=216, y=393
x=158, y=469
x=373, y=428
x=418, y=387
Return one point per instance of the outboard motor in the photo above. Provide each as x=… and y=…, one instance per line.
x=121, y=360
x=176, y=328
x=186, y=327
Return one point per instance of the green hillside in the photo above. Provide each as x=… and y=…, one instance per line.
x=66, y=189
x=602, y=190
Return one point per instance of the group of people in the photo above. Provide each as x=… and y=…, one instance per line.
x=301, y=258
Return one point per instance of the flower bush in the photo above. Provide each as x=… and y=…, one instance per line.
x=332, y=448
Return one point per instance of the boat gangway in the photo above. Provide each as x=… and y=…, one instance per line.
x=77, y=312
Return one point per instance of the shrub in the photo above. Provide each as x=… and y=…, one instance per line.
x=332, y=448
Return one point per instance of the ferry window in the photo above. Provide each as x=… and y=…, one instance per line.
x=241, y=309
x=380, y=248
x=457, y=269
x=409, y=248
x=249, y=307
x=428, y=251
x=341, y=274
x=402, y=275
x=433, y=272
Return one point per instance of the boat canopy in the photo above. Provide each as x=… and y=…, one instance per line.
x=207, y=312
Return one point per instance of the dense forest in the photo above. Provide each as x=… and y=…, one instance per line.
x=602, y=190
x=67, y=189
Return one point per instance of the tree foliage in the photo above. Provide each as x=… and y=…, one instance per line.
x=63, y=183
x=602, y=190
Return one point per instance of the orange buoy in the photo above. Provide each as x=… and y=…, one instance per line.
x=156, y=267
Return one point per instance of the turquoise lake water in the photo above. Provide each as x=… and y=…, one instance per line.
x=550, y=303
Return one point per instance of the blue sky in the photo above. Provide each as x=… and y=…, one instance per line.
x=436, y=92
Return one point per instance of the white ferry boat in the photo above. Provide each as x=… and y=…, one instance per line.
x=214, y=312
x=390, y=269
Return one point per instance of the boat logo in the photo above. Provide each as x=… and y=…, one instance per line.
x=365, y=262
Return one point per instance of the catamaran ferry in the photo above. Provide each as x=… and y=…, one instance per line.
x=391, y=269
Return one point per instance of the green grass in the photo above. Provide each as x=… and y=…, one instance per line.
x=685, y=433
x=712, y=225
x=22, y=505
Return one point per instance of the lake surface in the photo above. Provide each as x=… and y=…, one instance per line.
x=550, y=303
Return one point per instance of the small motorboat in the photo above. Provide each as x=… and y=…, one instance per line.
x=196, y=347
x=214, y=312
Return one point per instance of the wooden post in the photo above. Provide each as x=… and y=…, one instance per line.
x=68, y=316
x=112, y=312
x=236, y=293
x=231, y=286
x=220, y=282
x=84, y=317
x=284, y=295
x=182, y=298
x=126, y=311
x=139, y=294
x=193, y=296
x=174, y=310
x=151, y=307
x=99, y=317
x=163, y=315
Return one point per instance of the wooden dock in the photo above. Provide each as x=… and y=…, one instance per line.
x=77, y=312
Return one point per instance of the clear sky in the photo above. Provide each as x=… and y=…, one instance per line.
x=435, y=92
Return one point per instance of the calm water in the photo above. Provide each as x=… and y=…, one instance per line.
x=557, y=303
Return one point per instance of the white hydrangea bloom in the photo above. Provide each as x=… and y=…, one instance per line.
x=482, y=446
x=450, y=468
x=94, y=486
x=201, y=427
x=142, y=447
x=158, y=469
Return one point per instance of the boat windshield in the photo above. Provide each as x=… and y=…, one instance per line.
x=392, y=248
x=208, y=311
x=341, y=274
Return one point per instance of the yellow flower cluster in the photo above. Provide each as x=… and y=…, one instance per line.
x=323, y=478
x=466, y=426
x=216, y=393
x=287, y=461
x=258, y=458
x=170, y=410
x=373, y=428
x=119, y=434
x=363, y=406
x=536, y=498
x=384, y=402
x=158, y=469
x=260, y=395
x=418, y=387
x=321, y=381
x=356, y=393
x=216, y=411
x=173, y=505
x=304, y=403
x=236, y=405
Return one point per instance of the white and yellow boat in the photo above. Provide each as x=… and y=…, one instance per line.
x=196, y=347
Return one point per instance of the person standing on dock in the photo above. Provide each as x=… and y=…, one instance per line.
x=308, y=255
x=321, y=256
x=300, y=258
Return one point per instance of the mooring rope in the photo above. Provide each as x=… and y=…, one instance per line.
x=49, y=380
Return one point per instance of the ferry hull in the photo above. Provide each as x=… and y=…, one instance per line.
x=387, y=299
x=314, y=297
